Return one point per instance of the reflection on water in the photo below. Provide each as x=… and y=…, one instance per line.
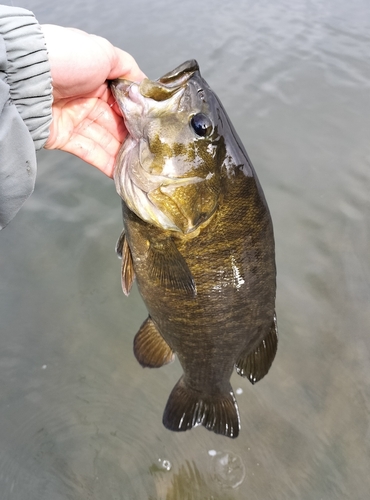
x=189, y=483
x=80, y=419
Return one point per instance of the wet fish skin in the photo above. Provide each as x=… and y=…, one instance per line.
x=209, y=286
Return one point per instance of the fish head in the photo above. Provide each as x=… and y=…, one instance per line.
x=168, y=170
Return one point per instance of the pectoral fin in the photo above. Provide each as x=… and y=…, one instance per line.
x=127, y=269
x=255, y=365
x=119, y=244
x=150, y=348
x=168, y=266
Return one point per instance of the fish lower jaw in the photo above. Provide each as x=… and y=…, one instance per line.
x=155, y=217
x=151, y=214
x=167, y=216
x=139, y=202
x=194, y=231
x=186, y=231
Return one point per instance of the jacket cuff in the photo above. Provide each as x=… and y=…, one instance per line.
x=28, y=72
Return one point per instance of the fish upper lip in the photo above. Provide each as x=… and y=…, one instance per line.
x=126, y=90
x=118, y=83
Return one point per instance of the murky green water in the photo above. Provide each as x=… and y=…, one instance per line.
x=79, y=418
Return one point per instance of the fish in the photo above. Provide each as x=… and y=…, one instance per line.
x=198, y=238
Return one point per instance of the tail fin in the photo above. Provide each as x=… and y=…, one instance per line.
x=187, y=408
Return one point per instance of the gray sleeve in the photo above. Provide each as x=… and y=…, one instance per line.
x=25, y=106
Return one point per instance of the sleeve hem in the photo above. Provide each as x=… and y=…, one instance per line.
x=28, y=71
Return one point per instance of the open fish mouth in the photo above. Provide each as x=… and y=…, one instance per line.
x=168, y=169
x=158, y=90
x=153, y=197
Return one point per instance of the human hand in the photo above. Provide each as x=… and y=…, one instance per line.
x=86, y=120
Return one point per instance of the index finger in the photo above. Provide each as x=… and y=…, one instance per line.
x=126, y=67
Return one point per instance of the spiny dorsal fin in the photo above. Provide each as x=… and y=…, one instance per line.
x=168, y=266
x=255, y=365
x=187, y=408
x=150, y=348
x=127, y=269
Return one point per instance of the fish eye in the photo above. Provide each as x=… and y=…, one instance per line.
x=201, y=124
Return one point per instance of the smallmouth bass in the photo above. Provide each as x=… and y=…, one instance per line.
x=198, y=237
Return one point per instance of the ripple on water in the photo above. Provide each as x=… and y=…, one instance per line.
x=227, y=468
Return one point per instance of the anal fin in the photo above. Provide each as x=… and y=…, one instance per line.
x=150, y=348
x=187, y=408
x=256, y=364
x=127, y=268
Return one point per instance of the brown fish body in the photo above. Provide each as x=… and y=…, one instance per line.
x=210, y=292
